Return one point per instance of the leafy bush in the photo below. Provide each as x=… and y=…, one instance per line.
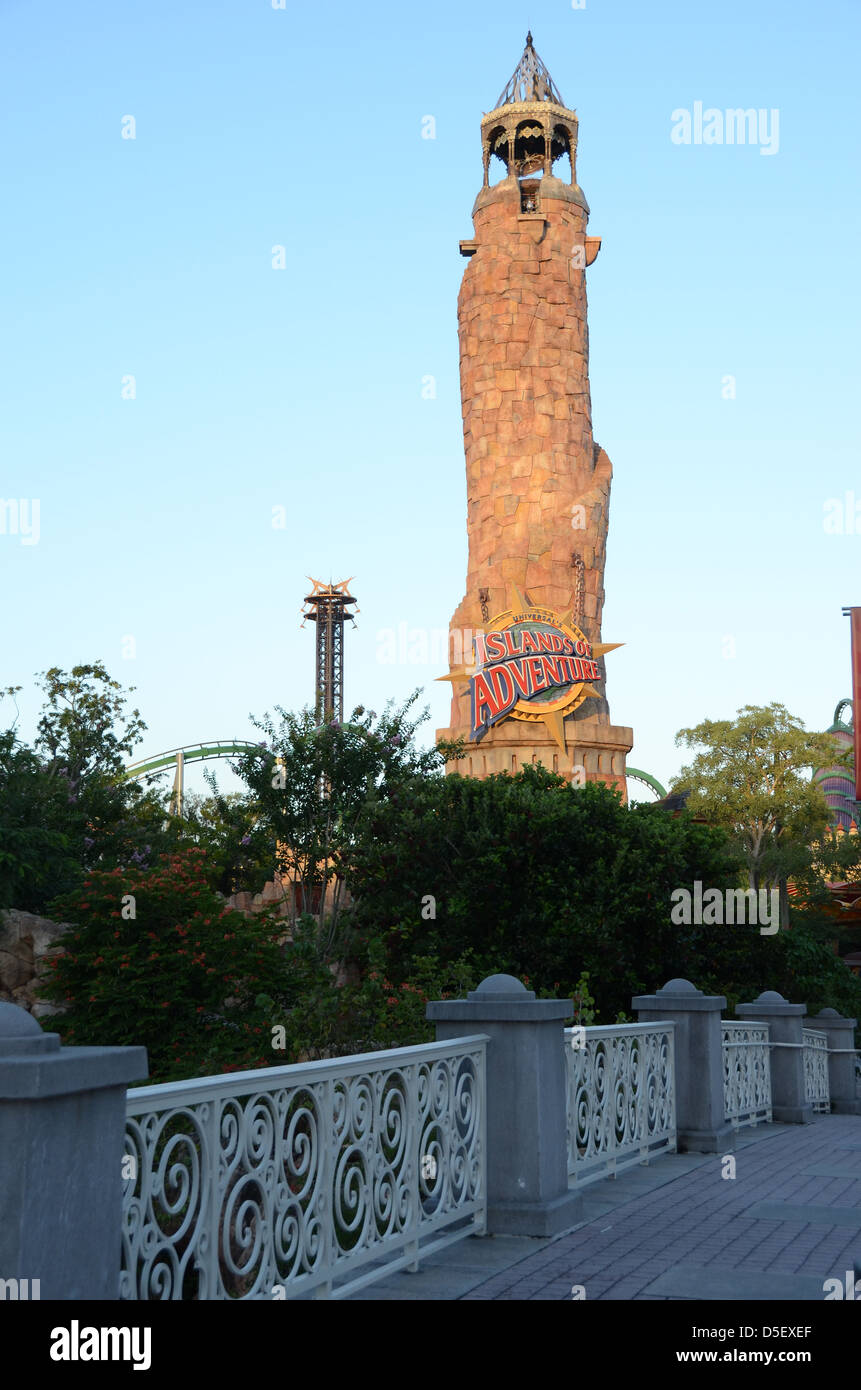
x=182, y=977
x=810, y=973
x=204, y=987
x=537, y=878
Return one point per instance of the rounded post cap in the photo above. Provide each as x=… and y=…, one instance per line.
x=21, y=1034
x=498, y=987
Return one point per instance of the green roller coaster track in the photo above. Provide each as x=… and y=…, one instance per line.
x=840, y=726
x=227, y=748
x=191, y=753
x=647, y=779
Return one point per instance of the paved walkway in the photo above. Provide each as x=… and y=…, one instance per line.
x=788, y=1220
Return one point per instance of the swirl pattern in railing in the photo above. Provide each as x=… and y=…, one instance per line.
x=271, y=1183
x=817, y=1090
x=746, y=1073
x=621, y=1097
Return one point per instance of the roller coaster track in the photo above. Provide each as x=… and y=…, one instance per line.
x=647, y=779
x=228, y=748
x=838, y=780
x=839, y=725
x=191, y=753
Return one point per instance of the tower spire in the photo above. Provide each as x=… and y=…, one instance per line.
x=530, y=80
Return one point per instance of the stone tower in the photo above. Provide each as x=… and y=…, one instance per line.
x=538, y=486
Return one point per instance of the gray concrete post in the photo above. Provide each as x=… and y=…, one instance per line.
x=785, y=1025
x=527, y=1146
x=701, y=1123
x=841, y=1060
x=62, y=1131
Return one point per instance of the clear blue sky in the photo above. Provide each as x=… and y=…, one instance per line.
x=302, y=388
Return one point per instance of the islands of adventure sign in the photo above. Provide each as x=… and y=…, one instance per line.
x=531, y=664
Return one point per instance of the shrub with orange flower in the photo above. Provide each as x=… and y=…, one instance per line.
x=131, y=982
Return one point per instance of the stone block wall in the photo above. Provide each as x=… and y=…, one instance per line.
x=27, y=943
x=538, y=487
x=524, y=370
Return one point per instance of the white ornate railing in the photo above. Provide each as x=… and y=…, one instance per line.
x=317, y=1178
x=621, y=1097
x=746, y=1073
x=816, y=1088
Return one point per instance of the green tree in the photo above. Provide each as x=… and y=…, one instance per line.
x=155, y=958
x=37, y=858
x=535, y=878
x=810, y=972
x=754, y=778
x=66, y=805
x=84, y=729
x=314, y=787
x=85, y=735
x=238, y=856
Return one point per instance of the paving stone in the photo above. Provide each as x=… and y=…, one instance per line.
x=810, y=1215
x=825, y=1170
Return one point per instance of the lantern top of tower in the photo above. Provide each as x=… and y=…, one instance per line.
x=530, y=81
